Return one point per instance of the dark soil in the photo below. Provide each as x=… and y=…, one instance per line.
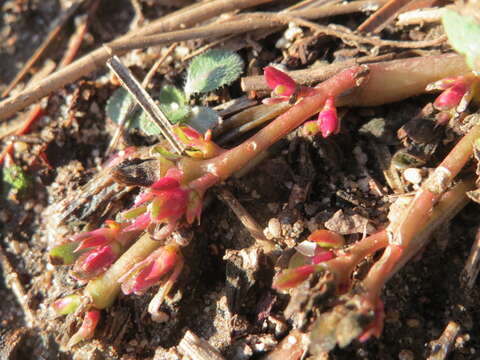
x=302, y=184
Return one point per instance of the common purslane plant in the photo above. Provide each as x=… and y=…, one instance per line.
x=138, y=251
x=171, y=202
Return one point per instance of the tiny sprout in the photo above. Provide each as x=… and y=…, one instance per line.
x=198, y=146
x=15, y=177
x=64, y=254
x=328, y=119
x=310, y=128
x=67, y=305
x=451, y=97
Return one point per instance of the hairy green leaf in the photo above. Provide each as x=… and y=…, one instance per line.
x=117, y=108
x=173, y=103
x=211, y=70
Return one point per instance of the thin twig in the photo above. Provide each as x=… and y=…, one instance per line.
x=77, y=38
x=472, y=267
x=420, y=16
x=138, y=18
x=250, y=119
x=382, y=17
x=62, y=20
x=143, y=99
x=96, y=59
x=12, y=280
x=207, y=47
x=245, y=218
x=256, y=21
x=233, y=106
x=347, y=36
x=134, y=106
x=195, y=348
x=33, y=114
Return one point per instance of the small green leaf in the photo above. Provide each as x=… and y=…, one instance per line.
x=211, y=70
x=117, y=108
x=171, y=94
x=173, y=103
x=15, y=177
x=147, y=125
x=203, y=118
x=65, y=254
x=463, y=34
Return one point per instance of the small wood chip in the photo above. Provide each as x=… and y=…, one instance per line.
x=195, y=348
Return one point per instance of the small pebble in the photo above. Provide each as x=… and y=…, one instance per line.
x=160, y=317
x=413, y=323
x=274, y=227
x=413, y=175
x=294, y=31
x=405, y=355
x=181, y=51
x=20, y=146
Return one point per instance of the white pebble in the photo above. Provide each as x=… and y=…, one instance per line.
x=275, y=227
x=413, y=175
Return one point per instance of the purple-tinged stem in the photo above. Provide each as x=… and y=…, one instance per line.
x=396, y=80
x=420, y=209
x=235, y=159
x=395, y=257
x=344, y=265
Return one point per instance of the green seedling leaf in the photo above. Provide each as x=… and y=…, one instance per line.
x=203, y=118
x=117, y=108
x=147, y=125
x=65, y=254
x=173, y=103
x=15, y=177
x=211, y=70
x=463, y=34
x=171, y=94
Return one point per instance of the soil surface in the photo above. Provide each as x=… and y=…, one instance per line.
x=300, y=186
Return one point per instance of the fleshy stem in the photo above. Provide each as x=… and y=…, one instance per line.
x=395, y=257
x=233, y=160
x=403, y=237
x=419, y=210
x=349, y=319
x=105, y=288
x=344, y=264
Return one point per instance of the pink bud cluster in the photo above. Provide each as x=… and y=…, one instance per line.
x=286, y=89
x=457, y=93
x=168, y=201
x=198, y=146
x=153, y=270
